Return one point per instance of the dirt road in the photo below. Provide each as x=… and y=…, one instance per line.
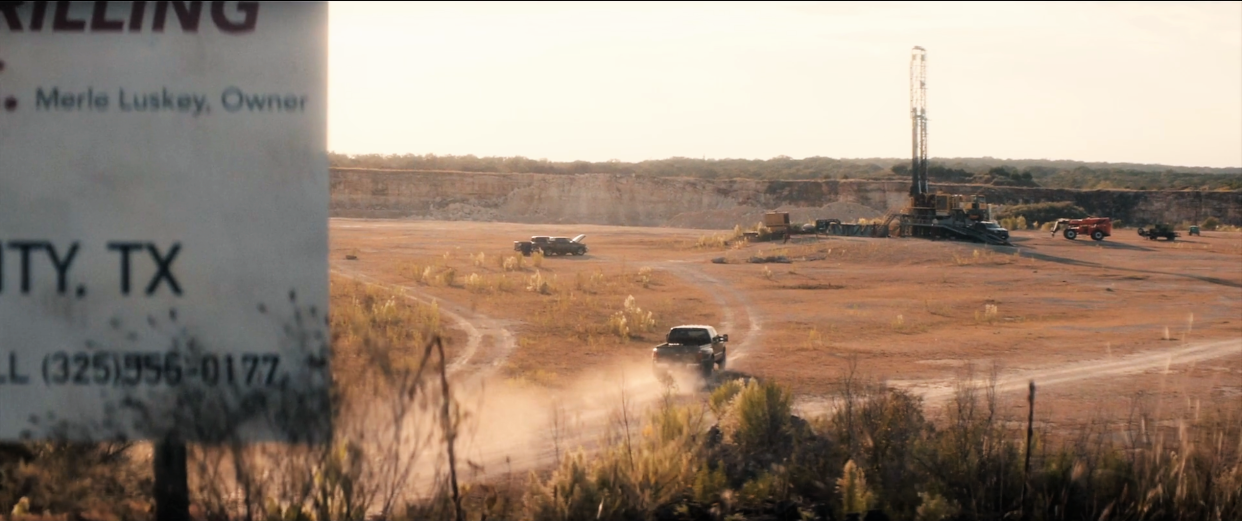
x=1083, y=320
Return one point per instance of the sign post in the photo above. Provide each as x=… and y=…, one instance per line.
x=163, y=223
x=172, y=488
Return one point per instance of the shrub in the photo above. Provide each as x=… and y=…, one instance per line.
x=709, y=484
x=759, y=417
x=722, y=397
x=1043, y=212
x=476, y=284
x=1210, y=224
x=855, y=496
x=644, y=277
x=538, y=284
x=447, y=278
x=628, y=480
x=512, y=263
x=631, y=320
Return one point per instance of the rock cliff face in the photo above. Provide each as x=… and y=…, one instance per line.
x=710, y=204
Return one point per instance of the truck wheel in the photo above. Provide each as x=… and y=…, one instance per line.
x=707, y=370
x=723, y=359
x=1097, y=235
x=1070, y=234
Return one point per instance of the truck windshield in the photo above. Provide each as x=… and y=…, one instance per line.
x=689, y=336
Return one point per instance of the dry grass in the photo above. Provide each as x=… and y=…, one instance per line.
x=739, y=453
x=571, y=312
x=374, y=326
x=877, y=451
x=385, y=424
x=989, y=315
x=985, y=257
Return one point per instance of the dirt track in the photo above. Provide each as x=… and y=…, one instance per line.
x=1111, y=318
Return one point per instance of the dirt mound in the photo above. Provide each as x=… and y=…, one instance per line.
x=747, y=216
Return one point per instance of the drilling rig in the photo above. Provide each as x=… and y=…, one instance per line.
x=937, y=215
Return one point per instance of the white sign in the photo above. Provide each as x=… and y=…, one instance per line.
x=163, y=221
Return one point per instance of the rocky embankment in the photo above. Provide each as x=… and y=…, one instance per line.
x=709, y=204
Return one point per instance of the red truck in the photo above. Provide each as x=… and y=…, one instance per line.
x=1096, y=227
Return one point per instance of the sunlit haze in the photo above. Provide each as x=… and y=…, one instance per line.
x=1150, y=82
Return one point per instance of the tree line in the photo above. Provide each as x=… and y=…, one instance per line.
x=986, y=171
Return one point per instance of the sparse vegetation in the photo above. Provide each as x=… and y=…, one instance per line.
x=1041, y=212
x=721, y=241
x=989, y=315
x=1014, y=223
x=740, y=452
x=984, y=257
x=631, y=320
x=875, y=452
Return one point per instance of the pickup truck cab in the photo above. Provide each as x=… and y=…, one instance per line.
x=690, y=345
x=992, y=227
x=552, y=245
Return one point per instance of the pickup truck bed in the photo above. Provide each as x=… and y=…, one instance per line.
x=697, y=346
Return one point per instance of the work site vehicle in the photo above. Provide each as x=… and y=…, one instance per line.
x=552, y=245
x=778, y=222
x=692, y=345
x=1095, y=227
x=1157, y=231
x=992, y=227
x=1194, y=230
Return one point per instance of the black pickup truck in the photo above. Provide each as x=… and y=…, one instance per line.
x=551, y=245
x=692, y=345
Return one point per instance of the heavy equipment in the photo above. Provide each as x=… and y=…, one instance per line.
x=937, y=215
x=927, y=214
x=1095, y=227
x=778, y=222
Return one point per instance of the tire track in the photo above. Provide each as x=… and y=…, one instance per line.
x=937, y=392
x=729, y=323
x=1097, y=369
x=477, y=328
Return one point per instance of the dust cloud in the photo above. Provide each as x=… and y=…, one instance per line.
x=517, y=428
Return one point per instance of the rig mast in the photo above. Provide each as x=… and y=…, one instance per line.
x=918, y=116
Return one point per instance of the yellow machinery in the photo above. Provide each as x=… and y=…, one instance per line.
x=778, y=222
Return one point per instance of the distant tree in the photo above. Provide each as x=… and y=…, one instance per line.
x=1043, y=212
x=1052, y=174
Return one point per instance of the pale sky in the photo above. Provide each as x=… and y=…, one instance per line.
x=1142, y=82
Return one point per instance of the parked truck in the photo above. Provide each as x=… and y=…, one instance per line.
x=1157, y=231
x=691, y=345
x=551, y=245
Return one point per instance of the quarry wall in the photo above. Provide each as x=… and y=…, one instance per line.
x=710, y=204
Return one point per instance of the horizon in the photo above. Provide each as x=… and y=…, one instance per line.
x=1096, y=82
x=853, y=159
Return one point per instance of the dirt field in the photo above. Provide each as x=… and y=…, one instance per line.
x=1093, y=324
